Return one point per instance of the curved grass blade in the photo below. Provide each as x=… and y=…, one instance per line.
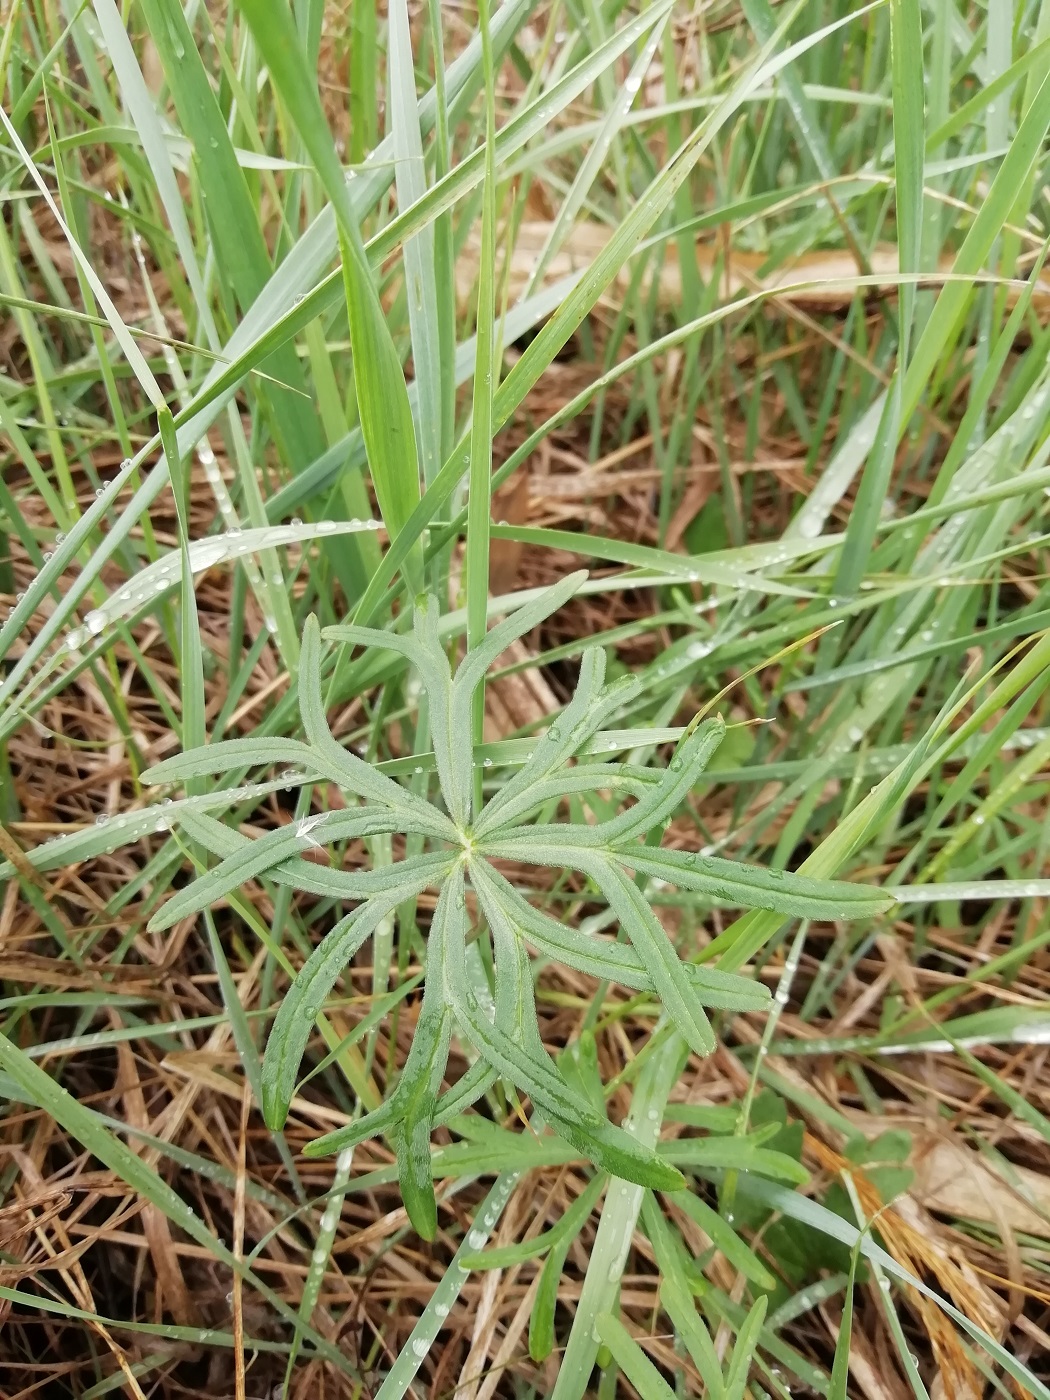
x=166, y=572
x=382, y=396
x=541, y=1319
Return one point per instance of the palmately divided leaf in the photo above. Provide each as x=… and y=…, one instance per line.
x=233, y=753
x=752, y=887
x=298, y=1011
x=603, y=958
x=357, y=776
x=689, y=761
x=585, y=713
x=581, y=778
x=453, y=754
x=657, y=953
x=506, y=1035
x=423, y=649
x=325, y=881
x=478, y=660
x=269, y=850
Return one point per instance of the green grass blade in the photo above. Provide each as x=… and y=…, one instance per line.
x=382, y=396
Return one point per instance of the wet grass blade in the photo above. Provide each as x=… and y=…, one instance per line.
x=382, y=396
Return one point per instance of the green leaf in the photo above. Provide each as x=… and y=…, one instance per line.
x=370, y=1125
x=631, y=1359
x=298, y=1011
x=382, y=397
x=580, y=778
x=329, y=882
x=267, y=851
x=690, y=1327
x=734, y=1154
x=541, y=1319
x=233, y=220
x=453, y=749
x=567, y=1228
x=676, y=1289
x=539, y=1078
x=942, y=326
x=357, y=776
x=421, y=283
x=658, y=954
x=254, y=752
x=488, y=362
x=601, y=957
x=690, y=759
x=598, y=957
x=838, y=1387
x=749, y=886
x=909, y=132
x=744, y=1351
x=618, y=1153
x=480, y=658
x=420, y=1081
x=586, y=712
x=726, y=1239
